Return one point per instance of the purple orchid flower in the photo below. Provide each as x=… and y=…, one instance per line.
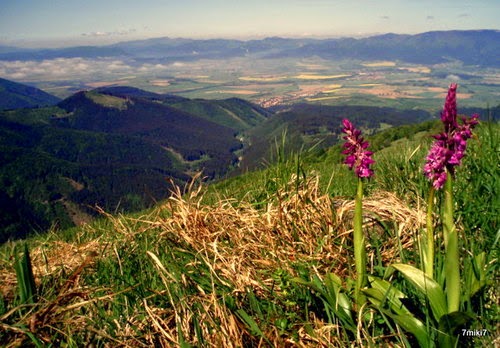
x=449, y=148
x=354, y=149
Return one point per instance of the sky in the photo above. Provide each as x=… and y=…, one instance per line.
x=56, y=23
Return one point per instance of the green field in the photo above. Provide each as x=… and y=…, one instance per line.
x=277, y=81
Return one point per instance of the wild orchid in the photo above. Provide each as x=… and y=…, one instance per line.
x=354, y=148
x=444, y=300
x=359, y=160
x=444, y=156
x=448, y=150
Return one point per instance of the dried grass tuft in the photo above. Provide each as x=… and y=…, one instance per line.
x=384, y=208
x=244, y=245
x=241, y=245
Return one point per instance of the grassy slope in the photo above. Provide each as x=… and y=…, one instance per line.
x=309, y=125
x=227, y=267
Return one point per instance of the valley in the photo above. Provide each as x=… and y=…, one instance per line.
x=115, y=126
x=271, y=82
x=403, y=71
x=261, y=193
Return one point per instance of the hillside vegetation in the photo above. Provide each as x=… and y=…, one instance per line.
x=16, y=95
x=117, y=149
x=263, y=259
x=310, y=125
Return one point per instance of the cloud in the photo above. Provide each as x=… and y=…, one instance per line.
x=95, y=34
x=120, y=32
x=63, y=68
x=385, y=17
x=81, y=69
x=429, y=18
x=464, y=15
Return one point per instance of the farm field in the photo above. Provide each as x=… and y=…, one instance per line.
x=271, y=82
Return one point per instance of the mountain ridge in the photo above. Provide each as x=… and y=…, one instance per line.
x=472, y=47
x=120, y=153
x=15, y=95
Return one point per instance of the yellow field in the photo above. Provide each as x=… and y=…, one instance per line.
x=332, y=88
x=320, y=77
x=437, y=89
x=262, y=79
x=235, y=91
x=385, y=63
x=322, y=98
x=160, y=83
x=417, y=69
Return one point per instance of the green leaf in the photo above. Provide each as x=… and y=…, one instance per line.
x=386, y=299
x=333, y=286
x=336, y=302
x=251, y=323
x=449, y=324
x=25, y=277
x=475, y=275
x=390, y=294
x=427, y=286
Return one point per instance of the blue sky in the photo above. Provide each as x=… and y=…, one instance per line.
x=66, y=22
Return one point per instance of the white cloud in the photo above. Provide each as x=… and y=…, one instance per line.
x=62, y=68
x=81, y=69
x=119, y=32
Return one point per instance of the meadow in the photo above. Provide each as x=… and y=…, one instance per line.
x=267, y=259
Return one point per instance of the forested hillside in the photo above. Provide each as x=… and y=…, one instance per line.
x=15, y=95
x=117, y=149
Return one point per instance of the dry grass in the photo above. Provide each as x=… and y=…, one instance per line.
x=240, y=245
x=57, y=266
x=243, y=246
x=301, y=224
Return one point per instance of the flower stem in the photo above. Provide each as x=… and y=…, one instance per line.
x=429, y=243
x=451, y=263
x=359, y=246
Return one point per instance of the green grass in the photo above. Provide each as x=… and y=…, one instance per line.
x=262, y=259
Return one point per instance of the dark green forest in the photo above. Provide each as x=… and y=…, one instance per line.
x=119, y=149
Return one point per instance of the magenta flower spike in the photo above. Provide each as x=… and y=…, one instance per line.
x=354, y=149
x=449, y=148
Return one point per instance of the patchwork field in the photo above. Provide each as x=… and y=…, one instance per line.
x=270, y=82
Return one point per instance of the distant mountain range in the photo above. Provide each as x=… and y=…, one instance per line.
x=472, y=47
x=14, y=95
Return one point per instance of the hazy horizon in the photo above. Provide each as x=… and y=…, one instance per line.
x=29, y=23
